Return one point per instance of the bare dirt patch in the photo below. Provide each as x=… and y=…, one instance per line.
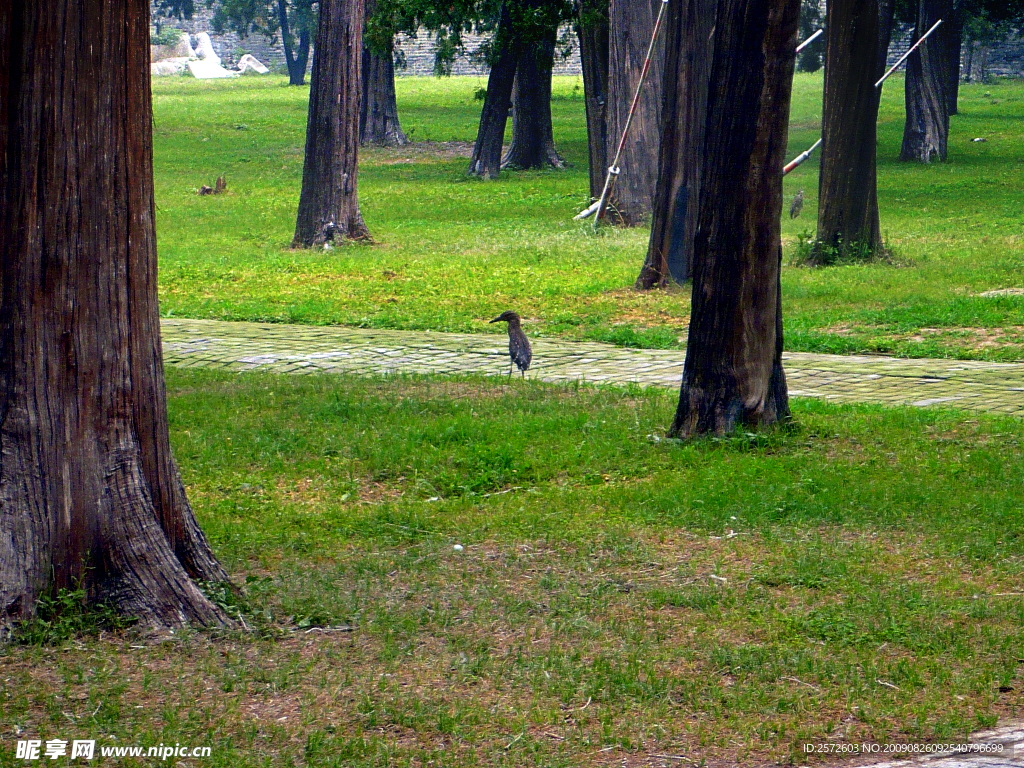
x=417, y=152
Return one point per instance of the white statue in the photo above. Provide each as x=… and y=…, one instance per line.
x=177, y=62
x=248, y=61
x=208, y=66
x=205, y=48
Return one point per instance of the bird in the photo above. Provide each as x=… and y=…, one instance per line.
x=518, y=345
x=797, y=206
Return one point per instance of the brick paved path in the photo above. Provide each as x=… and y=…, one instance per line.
x=997, y=387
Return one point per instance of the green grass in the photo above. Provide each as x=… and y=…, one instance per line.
x=451, y=252
x=619, y=596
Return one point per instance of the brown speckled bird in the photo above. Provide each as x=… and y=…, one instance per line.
x=518, y=345
x=797, y=206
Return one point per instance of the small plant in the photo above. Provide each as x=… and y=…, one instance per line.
x=804, y=245
x=65, y=616
x=167, y=36
x=812, y=252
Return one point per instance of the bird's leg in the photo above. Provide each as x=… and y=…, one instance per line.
x=510, y=373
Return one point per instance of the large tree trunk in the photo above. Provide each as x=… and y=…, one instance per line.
x=886, y=16
x=533, y=143
x=296, y=63
x=89, y=492
x=926, y=130
x=631, y=24
x=378, y=112
x=329, y=204
x=733, y=373
x=682, y=153
x=592, y=30
x=848, y=223
x=486, y=159
x=953, y=40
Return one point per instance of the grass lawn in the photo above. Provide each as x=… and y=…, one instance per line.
x=618, y=598
x=452, y=252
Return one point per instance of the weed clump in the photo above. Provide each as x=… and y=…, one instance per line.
x=811, y=252
x=65, y=616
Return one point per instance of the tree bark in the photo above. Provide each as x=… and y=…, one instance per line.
x=486, y=158
x=926, y=131
x=886, y=16
x=329, y=203
x=682, y=153
x=296, y=63
x=533, y=143
x=592, y=31
x=89, y=492
x=953, y=42
x=378, y=111
x=733, y=373
x=631, y=24
x=848, y=223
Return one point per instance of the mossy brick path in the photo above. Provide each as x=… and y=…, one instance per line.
x=997, y=387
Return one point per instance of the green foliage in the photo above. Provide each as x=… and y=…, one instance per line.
x=246, y=17
x=811, y=21
x=166, y=36
x=68, y=615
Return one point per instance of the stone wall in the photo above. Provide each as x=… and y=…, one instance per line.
x=1005, y=59
x=417, y=55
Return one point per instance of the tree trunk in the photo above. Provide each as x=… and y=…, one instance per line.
x=329, y=204
x=592, y=30
x=926, y=130
x=301, y=60
x=486, y=159
x=886, y=16
x=533, y=143
x=296, y=64
x=631, y=24
x=682, y=153
x=378, y=111
x=953, y=41
x=89, y=492
x=733, y=373
x=848, y=224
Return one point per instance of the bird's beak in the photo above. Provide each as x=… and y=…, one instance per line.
x=495, y=320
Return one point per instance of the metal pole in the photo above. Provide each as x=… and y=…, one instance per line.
x=905, y=55
x=809, y=40
x=613, y=170
x=801, y=158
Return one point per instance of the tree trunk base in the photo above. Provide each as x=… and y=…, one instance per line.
x=517, y=160
x=723, y=411
x=652, y=276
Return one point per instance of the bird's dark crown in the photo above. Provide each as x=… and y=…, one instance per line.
x=507, y=316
